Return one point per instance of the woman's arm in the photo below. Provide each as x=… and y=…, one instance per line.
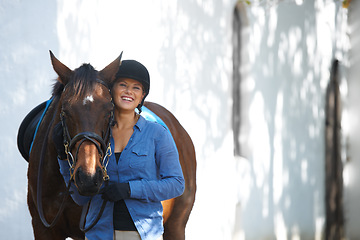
x=171, y=183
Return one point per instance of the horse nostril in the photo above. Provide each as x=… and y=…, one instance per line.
x=79, y=175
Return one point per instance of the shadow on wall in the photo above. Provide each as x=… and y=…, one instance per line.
x=27, y=32
x=352, y=193
x=290, y=48
x=196, y=60
x=191, y=61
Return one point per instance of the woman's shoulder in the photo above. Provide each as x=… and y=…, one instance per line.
x=151, y=128
x=155, y=131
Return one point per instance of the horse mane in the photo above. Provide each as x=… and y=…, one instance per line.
x=81, y=82
x=58, y=87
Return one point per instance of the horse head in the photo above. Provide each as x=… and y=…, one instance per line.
x=86, y=112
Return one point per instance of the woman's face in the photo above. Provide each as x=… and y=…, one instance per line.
x=127, y=93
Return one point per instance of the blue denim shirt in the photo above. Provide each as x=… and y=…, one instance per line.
x=150, y=164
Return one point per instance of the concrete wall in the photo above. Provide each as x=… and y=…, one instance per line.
x=27, y=31
x=288, y=50
x=352, y=166
x=276, y=191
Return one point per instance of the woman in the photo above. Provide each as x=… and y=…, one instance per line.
x=144, y=170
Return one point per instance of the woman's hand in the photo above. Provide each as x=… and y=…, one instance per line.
x=116, y=191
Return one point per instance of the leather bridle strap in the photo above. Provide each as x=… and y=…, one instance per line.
x=84, y=212
x=102, y=148
x=98, y=141
x=39, y=185
x=90, y=136
x=69, y=142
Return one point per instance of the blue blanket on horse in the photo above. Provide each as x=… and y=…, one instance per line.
x=30, y=125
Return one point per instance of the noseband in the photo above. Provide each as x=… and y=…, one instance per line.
x=102, y=143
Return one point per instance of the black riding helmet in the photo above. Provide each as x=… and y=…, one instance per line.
x=135, y=70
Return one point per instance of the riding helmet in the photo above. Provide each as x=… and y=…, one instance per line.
x=135, y=70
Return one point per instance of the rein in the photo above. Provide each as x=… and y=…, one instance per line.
x=105, y=152
x=69, y=143
x=39, y=186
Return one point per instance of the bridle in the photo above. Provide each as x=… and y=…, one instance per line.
x=102, y=143
x=103, y=146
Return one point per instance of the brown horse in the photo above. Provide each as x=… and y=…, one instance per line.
x=47, y=192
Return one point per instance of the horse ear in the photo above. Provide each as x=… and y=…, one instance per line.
x=109, y=72
x=63, y=71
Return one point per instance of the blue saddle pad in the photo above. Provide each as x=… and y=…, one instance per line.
x=152, y=117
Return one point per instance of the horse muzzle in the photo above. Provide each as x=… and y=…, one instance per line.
x=88, y=184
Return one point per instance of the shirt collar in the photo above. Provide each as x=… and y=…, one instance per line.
x=140, y=123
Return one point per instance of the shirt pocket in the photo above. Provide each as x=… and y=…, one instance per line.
x=139, y=156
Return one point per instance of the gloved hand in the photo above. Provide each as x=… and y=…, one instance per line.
x=116, y=191
x=58, y=139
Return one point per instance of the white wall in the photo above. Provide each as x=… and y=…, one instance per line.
x=352, y=167
x=27, y=31
x=277, y=191
x=289, y=49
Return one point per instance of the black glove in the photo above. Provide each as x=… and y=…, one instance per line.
x=116, y=191
x=58, y=139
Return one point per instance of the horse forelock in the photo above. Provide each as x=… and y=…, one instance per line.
x=81, y=83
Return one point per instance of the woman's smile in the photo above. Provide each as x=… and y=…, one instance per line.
x=127, y=99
